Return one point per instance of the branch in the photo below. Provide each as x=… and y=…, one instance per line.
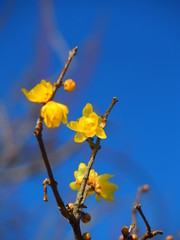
x=45, y=182
x=38, y=133
x=57, y=85
x=80, y=195
x=141, y=190
x=149, y=233
x=53, y=183
x=115, y=100
x=95, y=148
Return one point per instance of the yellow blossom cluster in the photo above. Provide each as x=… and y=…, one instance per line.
x=98, y=184
x=89, y=125
x=52, y=112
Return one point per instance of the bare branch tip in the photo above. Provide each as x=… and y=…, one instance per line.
x=115, y=99
x=72, y=53
x=137, y=206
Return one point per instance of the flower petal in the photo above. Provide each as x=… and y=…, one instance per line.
x=74, y=186
x=98, y=198
x=65, y=111
x=100, y=133
x=80, y=137
x=101, y=122
x=104, y=177
x=107, y=197
x=82, y=167
x=41, y=93
x=73, y=126
x=88, y=109
x=53, y=113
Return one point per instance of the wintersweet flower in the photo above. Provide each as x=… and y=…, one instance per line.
x=89, y=125
x=104, y=188
x=79, y=177
x=54, y=113
x=98, y=184
x=41, y=93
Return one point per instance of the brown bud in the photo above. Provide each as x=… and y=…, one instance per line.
x=70, y=206
x=85, y=217
x=86, y=236
x=146, y=188
x=169, y=237
x=125, y=231
x=134, y=236
x=121, y=237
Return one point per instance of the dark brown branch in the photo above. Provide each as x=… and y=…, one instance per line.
x=141, y=189
x=74, y=223
x=149, y=233
x=95, y=148
x=45, y=182
x=138, y=207
x=80, y=195
x=38, y=133
x=57, y=85
x=115, y=100
x=53, y=183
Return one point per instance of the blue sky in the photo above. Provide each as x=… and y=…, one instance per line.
x=127, y=49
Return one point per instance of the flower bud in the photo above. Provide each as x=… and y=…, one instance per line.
x=70, y=206
x=85, y=217
x=86, y=236
x=169, y=237
x=146, y=188
x=69, y=85
x=134, y=236
x=121, y=237
x=125, y=231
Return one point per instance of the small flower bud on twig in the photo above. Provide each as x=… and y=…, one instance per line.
x=69, y=85
x=169, y=237
x=125, y=231
x=85, y=217
x=86, y=236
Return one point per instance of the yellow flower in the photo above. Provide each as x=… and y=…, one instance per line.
x=104, y=188
x=54, y=113
x=69, y=85
x=89, y=125
x=79, y=177
x=41, y=93
x=98, y=184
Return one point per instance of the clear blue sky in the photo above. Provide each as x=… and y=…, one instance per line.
x=127, y=49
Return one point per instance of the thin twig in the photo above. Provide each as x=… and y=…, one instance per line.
x=57, y=85
x=53, y=183
x=149, y=233
x=115, y=100
x=85, y=195
x=141, y=190
x=74, y=223
x=138, y=207
x=95, y=148
x=80, y=195
x=38, y=133
x=45, y=182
